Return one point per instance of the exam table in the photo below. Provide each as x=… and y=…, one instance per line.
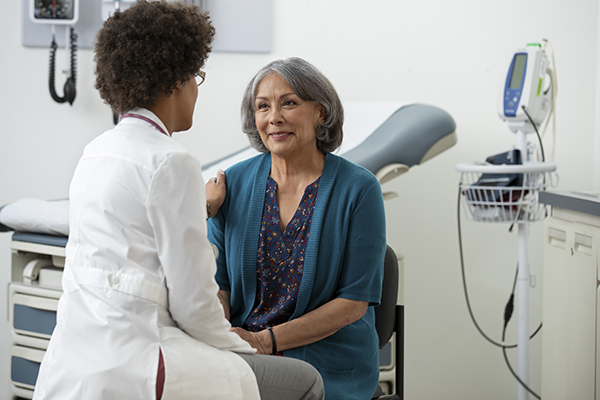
x=386, y=138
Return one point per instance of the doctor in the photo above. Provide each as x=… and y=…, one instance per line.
x=140, y=317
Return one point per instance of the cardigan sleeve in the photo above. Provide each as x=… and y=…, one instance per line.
x=216, y=236
x=362, y=270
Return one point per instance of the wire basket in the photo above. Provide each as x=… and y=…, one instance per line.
x=505, y=193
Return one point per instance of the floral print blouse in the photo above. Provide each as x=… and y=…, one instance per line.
x=280, y=259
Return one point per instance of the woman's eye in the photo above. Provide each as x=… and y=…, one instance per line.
x=261, y=106
x=289, y=103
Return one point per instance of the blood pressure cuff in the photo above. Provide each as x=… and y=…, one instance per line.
x=498, y=181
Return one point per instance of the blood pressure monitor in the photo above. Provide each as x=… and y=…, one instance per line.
x=527, y=85
x=57, y=12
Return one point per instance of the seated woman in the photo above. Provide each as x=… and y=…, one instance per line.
x=301, y=234
x=140, y=317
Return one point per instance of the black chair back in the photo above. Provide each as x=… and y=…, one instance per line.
x=389, y=318
x=385, y=312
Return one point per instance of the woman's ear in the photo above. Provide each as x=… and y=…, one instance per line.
x=322, y=114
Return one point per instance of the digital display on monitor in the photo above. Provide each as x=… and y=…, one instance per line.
x=518, y=70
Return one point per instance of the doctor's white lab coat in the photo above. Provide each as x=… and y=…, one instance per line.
x=139, y=276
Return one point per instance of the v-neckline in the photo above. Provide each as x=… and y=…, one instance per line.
x=295, y=217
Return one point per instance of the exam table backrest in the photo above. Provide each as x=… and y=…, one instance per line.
x=412, y=135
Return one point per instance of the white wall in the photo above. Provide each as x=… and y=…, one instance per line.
x=449, y=53
x=597, y=130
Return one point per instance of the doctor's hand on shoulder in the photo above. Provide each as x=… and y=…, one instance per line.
x=215, y=193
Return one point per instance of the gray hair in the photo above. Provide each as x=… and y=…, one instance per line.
x=310, y=85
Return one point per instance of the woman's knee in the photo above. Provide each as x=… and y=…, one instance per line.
x=281, y=377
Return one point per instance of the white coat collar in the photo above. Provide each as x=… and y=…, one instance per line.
x=148, y=114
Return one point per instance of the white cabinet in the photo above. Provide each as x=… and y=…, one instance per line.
x=570, y=304
x=33, y=295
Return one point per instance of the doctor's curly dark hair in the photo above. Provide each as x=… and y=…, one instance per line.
x=145, y=50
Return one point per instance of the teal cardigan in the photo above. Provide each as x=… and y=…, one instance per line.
x=344, y=258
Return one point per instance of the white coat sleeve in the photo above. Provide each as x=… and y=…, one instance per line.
x=176, y=207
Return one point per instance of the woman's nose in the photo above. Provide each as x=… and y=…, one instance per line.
x=275, y=118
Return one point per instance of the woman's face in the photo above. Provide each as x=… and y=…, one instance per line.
x=285, y=122
x=187, y=95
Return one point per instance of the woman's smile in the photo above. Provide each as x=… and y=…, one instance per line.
x=280, y=135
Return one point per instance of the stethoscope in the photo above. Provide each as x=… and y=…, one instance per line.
x=157, y=126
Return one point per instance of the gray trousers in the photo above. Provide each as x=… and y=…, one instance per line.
x=285, y=378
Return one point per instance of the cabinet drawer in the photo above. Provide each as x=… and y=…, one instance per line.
x=33, y=316
x=25, y=365
x=32, y=312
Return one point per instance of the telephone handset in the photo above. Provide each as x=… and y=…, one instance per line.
x=59, y=12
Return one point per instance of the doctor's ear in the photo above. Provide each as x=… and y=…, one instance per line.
x=176, y=86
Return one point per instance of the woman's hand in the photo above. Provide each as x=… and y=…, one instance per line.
x=309, y=328
x=261, y=341
x=215, y=192
x=318, y=324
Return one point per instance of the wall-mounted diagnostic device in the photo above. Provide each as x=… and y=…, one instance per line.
x=526, y=96
x=59, y=12
x=56, y=12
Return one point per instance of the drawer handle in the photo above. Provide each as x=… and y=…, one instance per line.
x=583, y=244
x=557, y=238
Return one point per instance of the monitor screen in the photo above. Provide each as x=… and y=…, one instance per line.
x=517, y=71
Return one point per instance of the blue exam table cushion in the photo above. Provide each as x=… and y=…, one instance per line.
x=50, y=240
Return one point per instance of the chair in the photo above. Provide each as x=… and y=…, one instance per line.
x=389, y=318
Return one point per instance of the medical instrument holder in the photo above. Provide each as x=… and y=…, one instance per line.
x=507, y=204
x=511, y=204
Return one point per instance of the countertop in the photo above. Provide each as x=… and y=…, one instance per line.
x=585, y=202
